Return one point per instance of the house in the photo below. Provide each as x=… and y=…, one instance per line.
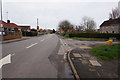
x=42, y=31
x=11, y=30
x=25, y=27
x=110, y=26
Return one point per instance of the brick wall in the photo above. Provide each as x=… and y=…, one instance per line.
x=8, y=37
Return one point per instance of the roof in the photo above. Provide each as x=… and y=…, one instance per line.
x=110, y=22
x=10, y=25
x=24, y=25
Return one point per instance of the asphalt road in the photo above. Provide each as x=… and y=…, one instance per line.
x=40, y=57
x=35, y=58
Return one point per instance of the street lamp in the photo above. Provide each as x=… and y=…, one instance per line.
x=1, y=23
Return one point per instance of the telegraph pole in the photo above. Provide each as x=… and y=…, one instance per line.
x=37, y=25
x=7, y=15
x=37, y=21
x=1, y=23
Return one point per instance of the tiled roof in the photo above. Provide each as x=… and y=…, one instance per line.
x=10, y=25
x=110, y=22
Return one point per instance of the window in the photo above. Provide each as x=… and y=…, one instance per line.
x=19, y=29
x=12, y=29
x=1, y=33
x=112, y=26
x=113, y=32
x=117, y=26
x=9, y=29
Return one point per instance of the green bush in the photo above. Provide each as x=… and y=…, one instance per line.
x=31, y=33
x=94, y=35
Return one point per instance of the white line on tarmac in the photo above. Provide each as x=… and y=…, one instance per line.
x=32, y=45
x=13, y=54
x=95, y=63
x=42, y=39
x=5, y=60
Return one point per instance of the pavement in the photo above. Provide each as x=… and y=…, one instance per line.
x=87, y=66
x=15, y=40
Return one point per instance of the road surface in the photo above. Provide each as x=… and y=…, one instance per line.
x=39, y=57
x=35, y=58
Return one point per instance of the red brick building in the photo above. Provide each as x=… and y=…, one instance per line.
x=11, y=30
x=110, y=26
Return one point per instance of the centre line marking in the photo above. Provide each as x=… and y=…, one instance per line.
x=42, y=39
x=31, y=45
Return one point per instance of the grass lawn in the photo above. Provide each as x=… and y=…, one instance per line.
x=107, y=52
x=86, y=38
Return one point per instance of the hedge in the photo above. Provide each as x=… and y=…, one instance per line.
x=31, y=33
x=94, y=35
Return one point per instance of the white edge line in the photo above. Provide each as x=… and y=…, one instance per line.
x=42, y=39
x=31, y=45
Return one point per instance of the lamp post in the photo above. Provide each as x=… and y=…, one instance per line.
x=1, y=23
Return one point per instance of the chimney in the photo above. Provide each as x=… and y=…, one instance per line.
x=8, y=21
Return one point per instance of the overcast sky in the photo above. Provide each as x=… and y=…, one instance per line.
x=51, y=12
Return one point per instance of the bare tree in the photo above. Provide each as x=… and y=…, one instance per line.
x=65, y=25
x=114, y=14
x=89, y=24
x=79, y=28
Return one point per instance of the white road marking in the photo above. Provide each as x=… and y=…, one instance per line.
x=31, y=45
x=42, y=39
x=77, y=55
x=85, y=47
x=95, y=63
x=65, y=58
x=63, y=42
x=5, y=60
x=13, y=54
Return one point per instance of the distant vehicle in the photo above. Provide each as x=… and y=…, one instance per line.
x=58, y=33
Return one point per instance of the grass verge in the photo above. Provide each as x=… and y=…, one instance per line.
x=107, y=52
x=86, y=38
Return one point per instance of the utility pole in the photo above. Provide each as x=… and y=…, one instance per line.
x=7, y=15
x=37, y=25
x=1, y=23
x=37, y=21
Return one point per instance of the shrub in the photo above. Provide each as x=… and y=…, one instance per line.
x=31, y=33
x=95, y=35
